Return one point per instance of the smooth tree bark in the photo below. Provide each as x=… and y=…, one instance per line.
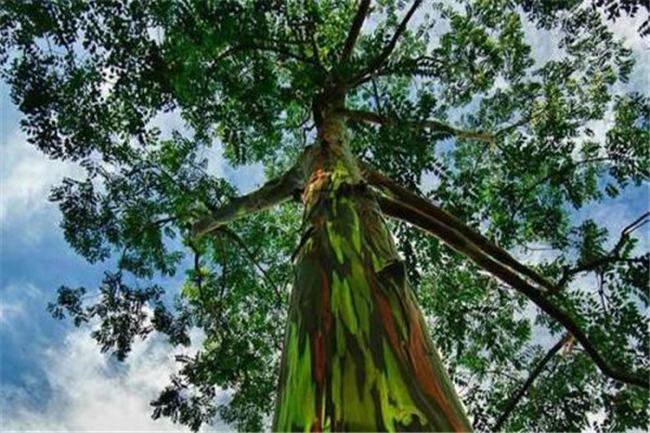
x=396, y=201
x=357, y=356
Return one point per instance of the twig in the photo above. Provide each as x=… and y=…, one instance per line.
x=251, y=257
x=522, y=391
x=612, y=257
x=433, y=125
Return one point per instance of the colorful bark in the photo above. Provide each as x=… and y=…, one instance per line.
x=357, y=355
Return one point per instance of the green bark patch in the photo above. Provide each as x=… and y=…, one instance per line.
x=357, y=356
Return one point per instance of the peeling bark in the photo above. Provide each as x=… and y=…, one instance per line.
x=357, y=356
x=425, y=217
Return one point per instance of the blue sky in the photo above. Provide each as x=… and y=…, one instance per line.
x=52, y=376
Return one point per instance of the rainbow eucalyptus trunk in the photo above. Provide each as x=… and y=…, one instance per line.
x=357, y=356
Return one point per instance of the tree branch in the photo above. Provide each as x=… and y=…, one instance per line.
x=355, y=29
x=562, y=171
x=260, y=46
x=270, y=194
x=533, y=375
x=375, y=94
x=434, y=125
x=515, y=125
x=379, y=61
x=392, y=188
x=612, y=257
x=418, y=212
x=251, y=257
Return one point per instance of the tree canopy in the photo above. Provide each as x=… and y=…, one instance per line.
x=444, y=98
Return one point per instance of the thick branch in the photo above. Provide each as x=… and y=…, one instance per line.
x=466, y=247
x=430, y=223
x=359, y=18
x=270, y=194
x=394, y=189
x=433, y=125
x=533, y=375
x=380, y=60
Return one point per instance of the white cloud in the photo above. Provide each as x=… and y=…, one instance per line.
x=8, y=311
x=14, y=298
x=27, y=176
x=89, y=394
x=626, y=28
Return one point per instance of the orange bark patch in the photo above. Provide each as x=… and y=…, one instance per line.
x=317, y=182
x=421, y=364
x=386, y=314
x=319, y=358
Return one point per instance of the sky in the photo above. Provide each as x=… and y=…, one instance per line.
x=52, y=375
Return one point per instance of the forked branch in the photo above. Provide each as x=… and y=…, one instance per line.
x=614, y=256
x=417, y=211
x=381, y=59
x=393, y=189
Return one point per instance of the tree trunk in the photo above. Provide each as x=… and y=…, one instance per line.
x=357, y=356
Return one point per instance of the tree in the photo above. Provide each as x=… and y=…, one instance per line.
x=349, y=106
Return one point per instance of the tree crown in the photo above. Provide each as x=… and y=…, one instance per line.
x=437, y=93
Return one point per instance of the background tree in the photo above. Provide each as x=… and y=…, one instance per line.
x=440, y=92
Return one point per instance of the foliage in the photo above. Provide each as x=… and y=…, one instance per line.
x=94, y=78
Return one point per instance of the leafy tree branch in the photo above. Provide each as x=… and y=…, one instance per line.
x=355, y=29
x=381, y=59
x=432, y=125
x=420, y=216
x=613, y=256
x=270, y=194
x=539, y=368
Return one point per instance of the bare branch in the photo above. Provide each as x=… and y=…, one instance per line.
x=515, y=125
x=562, y=171
x=262, y=46
x=392, y=188
x=533, y=375
x=375, y=93
x=636, y=224
x=198, y=277
x=433, y=125
x=417, y=211
x=270, y=194
x=355, y=29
